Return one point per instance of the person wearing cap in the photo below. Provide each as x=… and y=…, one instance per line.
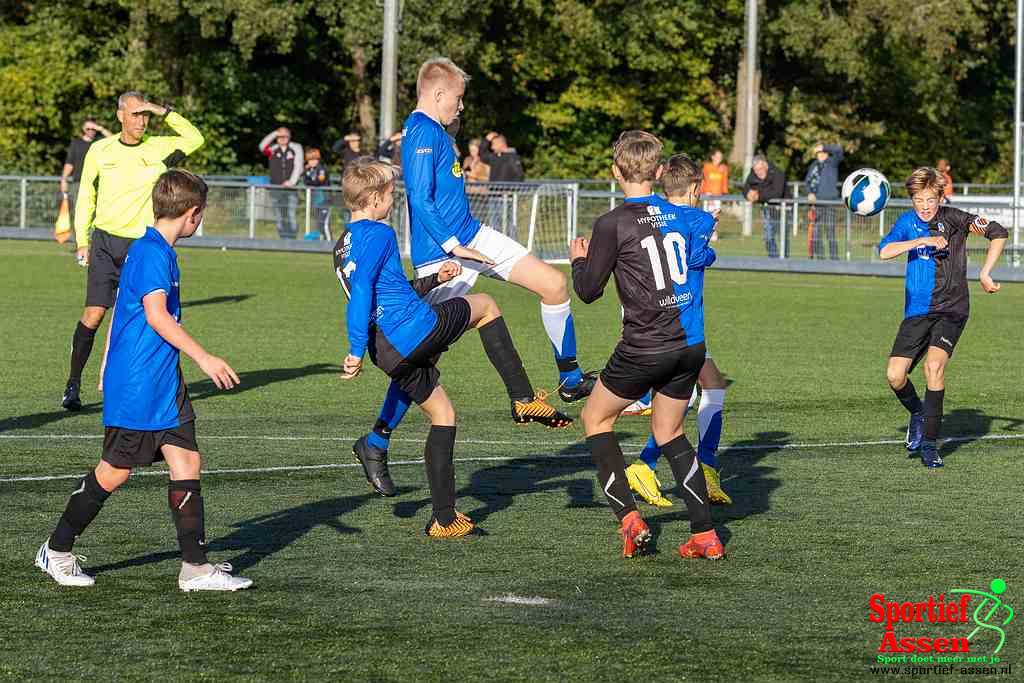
x=822, y=181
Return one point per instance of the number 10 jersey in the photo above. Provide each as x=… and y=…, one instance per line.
x=658, y=252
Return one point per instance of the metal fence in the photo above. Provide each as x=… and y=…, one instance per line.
x=542, y=215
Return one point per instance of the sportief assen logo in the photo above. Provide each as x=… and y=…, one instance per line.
x=980, y=607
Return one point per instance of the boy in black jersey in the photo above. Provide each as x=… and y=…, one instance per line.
x=937, y=302
x=658, y=252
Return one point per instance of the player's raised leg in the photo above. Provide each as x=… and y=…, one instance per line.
x=667, y=428
x=56, y=556
x=935, y=375
x=599, y=414
x=897, y=373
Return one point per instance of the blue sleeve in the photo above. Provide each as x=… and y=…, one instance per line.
x=421, y=185
x=898, y=233
x=699, y=253
x=362, y=281
x=151, y=273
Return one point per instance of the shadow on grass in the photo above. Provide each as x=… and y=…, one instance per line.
x=42, y=419
x=968, y=424
x=256, y=379
x=258, y=538
x=227, y=299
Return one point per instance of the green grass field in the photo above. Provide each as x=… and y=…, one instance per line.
x=829, y=510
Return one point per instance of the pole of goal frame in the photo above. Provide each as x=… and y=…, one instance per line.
x=389, y=70
x=1017, y=133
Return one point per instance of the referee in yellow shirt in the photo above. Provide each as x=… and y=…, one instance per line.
x=115, y=204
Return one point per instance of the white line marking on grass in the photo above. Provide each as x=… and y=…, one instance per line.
x=498, y=458
x=511, y=599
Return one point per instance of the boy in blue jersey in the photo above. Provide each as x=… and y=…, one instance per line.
x=683, y=193
x=147, y=413
x=937, y=300
x=442, y=227
x=658, y=261
x=405, y=336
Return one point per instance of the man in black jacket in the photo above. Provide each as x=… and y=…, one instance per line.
x=506, y=167
x=766, y=182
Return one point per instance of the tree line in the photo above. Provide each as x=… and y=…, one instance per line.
x=898, y=84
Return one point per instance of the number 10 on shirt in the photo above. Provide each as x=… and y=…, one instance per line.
x=674, y=245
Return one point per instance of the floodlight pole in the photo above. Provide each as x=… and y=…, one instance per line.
x=389, y=70
x=749, y=129
x=1017, y=131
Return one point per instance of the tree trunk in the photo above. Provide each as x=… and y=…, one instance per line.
x=365, y=111
x=138, y=32
x=739, y=141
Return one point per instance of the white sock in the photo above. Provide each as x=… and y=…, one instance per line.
x=555, y=318
x=709, y=414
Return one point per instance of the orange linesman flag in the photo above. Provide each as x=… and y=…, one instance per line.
x=62, y=228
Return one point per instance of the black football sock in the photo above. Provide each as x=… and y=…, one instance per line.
x=909, y=398
x=81, y=347
x=503, y=356
x=85, y=503
x=611, y=472
x=933, y=413
x=185, y=499
x=690, y=477
x=438, y=456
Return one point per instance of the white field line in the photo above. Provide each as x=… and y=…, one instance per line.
x=419, y=461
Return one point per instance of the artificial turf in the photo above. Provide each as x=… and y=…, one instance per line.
x=349, y=588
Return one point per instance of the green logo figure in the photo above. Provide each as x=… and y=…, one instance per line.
x=998, y=586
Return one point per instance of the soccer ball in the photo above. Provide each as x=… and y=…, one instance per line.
x=866, y=192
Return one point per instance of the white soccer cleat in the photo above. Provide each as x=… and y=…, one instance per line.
x=218, y=579
x=63, y=567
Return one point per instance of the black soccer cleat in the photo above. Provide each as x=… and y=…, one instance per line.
x=581, y=390
x=375, y=466
x=71, y=399
x=536, y=409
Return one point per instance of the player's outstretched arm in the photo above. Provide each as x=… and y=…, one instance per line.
x=891, y=250
x=448, y=271
x=594, y=260
x=995, y=250
x=164, y=324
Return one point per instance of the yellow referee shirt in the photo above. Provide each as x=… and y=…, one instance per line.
x=116, y=194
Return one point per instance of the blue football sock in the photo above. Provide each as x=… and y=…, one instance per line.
x=570, y=379
x=396, y=405
x=561, y=331
x=651, y=453
x=709, y=425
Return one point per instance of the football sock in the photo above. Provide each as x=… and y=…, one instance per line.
x=611, y=472
x=709, y=425
x=185, y=499
x=81, y=347
x=933, y=413
x=502, y=353
x=85, y=503
x=651, y=452
x=690, y=477
x=908, y=397
x=438, y=456
x=396, y=405
x=561, y=331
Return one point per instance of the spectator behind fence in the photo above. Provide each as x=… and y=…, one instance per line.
x=506, y=167
x=349, y=147
x=765, y=182
x=285, y=170
x=316, y=175
x=714, y=184
x=822, y=181
x=475, y=169
x=71, y=174
x=390, y=151
x=945, y=168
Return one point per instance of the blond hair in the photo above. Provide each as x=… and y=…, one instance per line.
x=365, y=177
x=681, y=173
x=438, y=69
x=926, y=178
x=637, y=154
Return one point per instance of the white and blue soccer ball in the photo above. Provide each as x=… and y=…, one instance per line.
x=866, y=192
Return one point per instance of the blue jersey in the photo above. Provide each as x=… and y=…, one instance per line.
x=658, y=252
x=143, y=388
x=439, y=217
x=936, y=280
x=381, y=299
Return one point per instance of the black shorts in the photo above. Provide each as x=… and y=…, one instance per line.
x=673, y=373
x=130, y=448
x=918, y=333
x=106, y=257
x=417, y=373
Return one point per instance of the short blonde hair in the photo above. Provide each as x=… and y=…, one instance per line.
x=363, y=178
x=637, y=154
x=926, y=178
x=438, y=69
x=681, y=172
